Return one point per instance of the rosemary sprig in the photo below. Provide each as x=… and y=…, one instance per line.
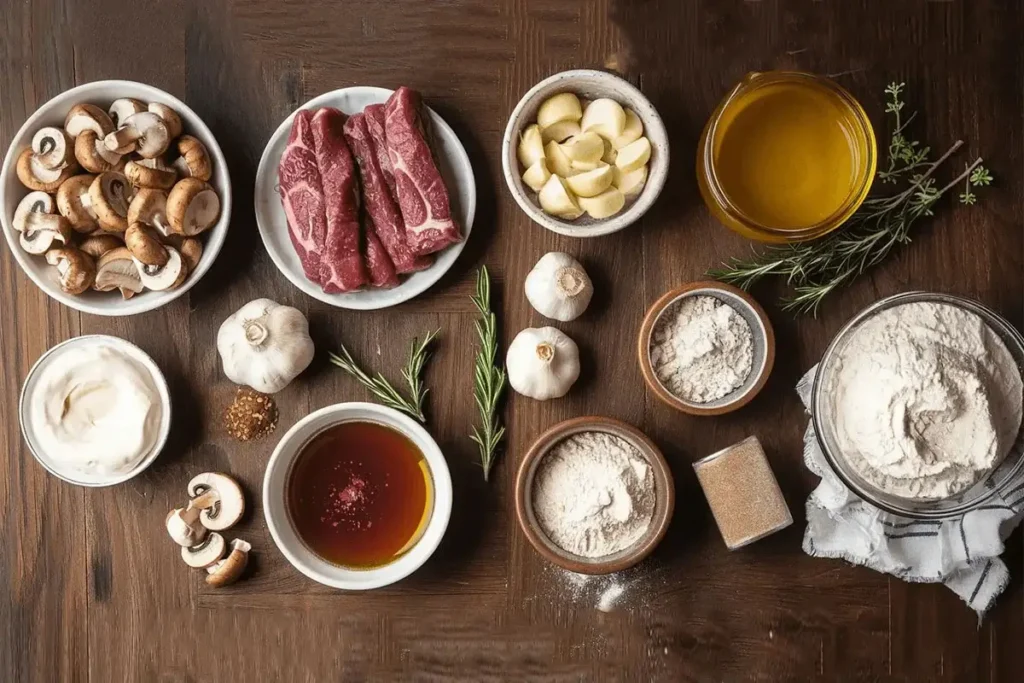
x=488, y=375
x=386, y=393
x=816, y=269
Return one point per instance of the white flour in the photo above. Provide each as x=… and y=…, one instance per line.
x=593, y=494
x=926, y=400
x=702, y=349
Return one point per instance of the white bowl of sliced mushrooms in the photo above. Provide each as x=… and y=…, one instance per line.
x=115, y=198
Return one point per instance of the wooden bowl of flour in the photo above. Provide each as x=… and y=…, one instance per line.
x=656, y=468
x=762, y=341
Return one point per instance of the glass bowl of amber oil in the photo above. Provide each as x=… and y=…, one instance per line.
x=786, y=157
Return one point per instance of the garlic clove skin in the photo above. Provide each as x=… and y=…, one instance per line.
x=265, y=345
x=558, y=287
x=542, y=363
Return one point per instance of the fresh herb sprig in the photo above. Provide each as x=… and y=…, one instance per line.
x=488, y=376
x=816, y=269
x=386, y=393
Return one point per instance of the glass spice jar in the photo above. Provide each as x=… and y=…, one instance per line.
x=743, y=493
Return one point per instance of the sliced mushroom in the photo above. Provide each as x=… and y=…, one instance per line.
x=192, y=207
x=87, y=117
x=121, y=109
x=206, y=553
x=152, y=173
x=228, y=570
x=93, y=155
x=74, y=202
x=145, y=133
x=168, y=276
x=99, y=245
x=168, y=116
x=149, y=206
x=192, y=251
x=145, y=246
x=220, y=498
x=76, y=270
x=33, y=202
x=116, y=270
x=52, y=148
x=193, y=160
x=184, y=528
x=110, y=194
x=35, y=176
x=43, y=231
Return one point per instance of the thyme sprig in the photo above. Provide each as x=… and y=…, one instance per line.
x=816, y=269
x=383, y=390
x=488, y=375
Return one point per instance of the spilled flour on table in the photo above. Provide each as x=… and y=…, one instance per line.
x=608, y=593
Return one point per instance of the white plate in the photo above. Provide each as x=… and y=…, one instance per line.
x=454, y=166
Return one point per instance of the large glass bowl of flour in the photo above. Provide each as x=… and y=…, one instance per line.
x=917, y=405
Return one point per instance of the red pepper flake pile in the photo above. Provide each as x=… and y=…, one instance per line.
x=251, y=415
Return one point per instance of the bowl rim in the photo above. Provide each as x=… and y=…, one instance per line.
x=990, y=318
x=422, y=550
x=664, y=491
x=636, y=210
x=644, y=348
x=162, y=388
x=216, y=235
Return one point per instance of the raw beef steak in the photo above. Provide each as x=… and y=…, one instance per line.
x=378, y=263
x=419, y=187
x=374, y=114
x=341, y=263
x=302, y=194
x=380, y=206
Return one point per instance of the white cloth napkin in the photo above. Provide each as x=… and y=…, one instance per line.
x=962, y=553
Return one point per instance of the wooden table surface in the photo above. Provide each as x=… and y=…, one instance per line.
x=91, y=589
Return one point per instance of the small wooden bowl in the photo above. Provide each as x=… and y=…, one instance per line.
x=764, y=347
x=664, y=492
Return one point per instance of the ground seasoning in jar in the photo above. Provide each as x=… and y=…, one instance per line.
x=743, y=494
x=251, y=415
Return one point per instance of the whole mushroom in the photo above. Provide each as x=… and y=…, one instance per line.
x=93, y=155
x=110, y=195
x=35, y=176
x=145, y=246
x=192, y=207
x=116, y=270
x=192, y=251
x=145, y=133
x=193, y=160
x=169, y=117
x=122, y=108
x=149, y=206
x=87, y=117
x=76, y=270
x=151, y=173
x=98, y=245
x=75, y=204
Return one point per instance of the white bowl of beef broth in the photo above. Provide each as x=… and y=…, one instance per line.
x=452, y=162
x=357, y=496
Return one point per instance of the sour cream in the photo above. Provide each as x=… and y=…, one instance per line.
x=95, y=408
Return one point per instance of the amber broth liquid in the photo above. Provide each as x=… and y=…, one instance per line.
x=359, y=494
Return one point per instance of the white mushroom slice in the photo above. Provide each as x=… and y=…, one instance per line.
x=149, y=206
x=87, y=117
x=44, y=231
x=52, y=148
x=192, y=207
x=98, y=246
x=76, y=270
x=167, y=276
x=210, y=551
x=184, y=528
x=74, y=203
x=110, y=194
x=220, y=498
x=124, y=107
x=116, y=270
x=145, y=246
x=151, y=173
x=33, y=202
x=144, y=133
x=169, y=117
x=93, y=155
x=194, y=160
x=229, y=569
x=35, y=176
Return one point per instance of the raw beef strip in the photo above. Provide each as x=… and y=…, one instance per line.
x=377, y=200
x=382, y=271
x=419, y=187
x=341, y=264
x=374, y=114
x=302, y=195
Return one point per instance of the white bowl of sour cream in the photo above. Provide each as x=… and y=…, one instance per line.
x=95, y=410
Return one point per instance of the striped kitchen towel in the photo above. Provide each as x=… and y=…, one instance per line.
x=962, y=553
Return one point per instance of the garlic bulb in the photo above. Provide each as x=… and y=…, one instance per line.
x=542, y=363
x=558, y=287
x=265, y=345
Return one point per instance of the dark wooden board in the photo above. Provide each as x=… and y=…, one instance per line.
x=93, y=591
